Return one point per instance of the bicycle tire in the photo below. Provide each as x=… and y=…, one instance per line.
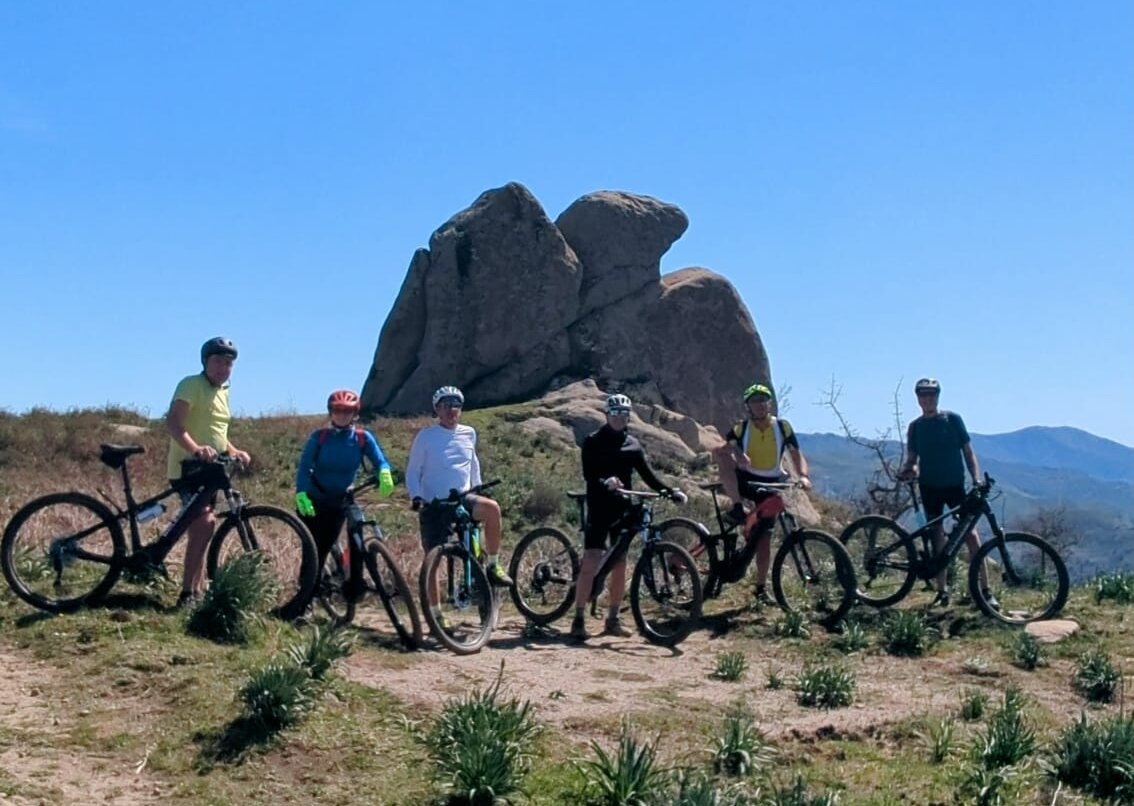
x=394, y=592
x=695, y=538
x=31, y=552
x=885, y=572
x=1033, y=586
x=287, y=546
x=468, y=605
x=545, y=567
x=330, y=590
x=819, y=580
x=665, y=594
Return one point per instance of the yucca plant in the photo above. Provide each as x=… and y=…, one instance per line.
x=793, y=625
x=821, y=686
x=1009, y=738
x=973, y=703
x=905, y=634
x=798, y=793
x=731, y=666
x=853, y=638
x=741, y=748
x=242, y=591
x=1116, y=587
x=697, y=789
x=277, y=696
x=630, y=776
x=1027, y=652
x=775, y=680
x=981, y=786
x=1096, y=757
x=1096, y=678
x=938, y=737
x=483, y=745
x=321, y=652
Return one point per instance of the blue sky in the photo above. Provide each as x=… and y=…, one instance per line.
x=896, y=189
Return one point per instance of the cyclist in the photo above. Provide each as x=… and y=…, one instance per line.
x=328, y=465
x=753, y=455
x=610, y=456
x=443, y=458
x=197, y=423
x=936, y=442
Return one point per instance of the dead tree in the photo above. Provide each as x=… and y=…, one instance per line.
x=884, y=493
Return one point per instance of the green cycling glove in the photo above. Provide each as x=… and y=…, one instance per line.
x=304, y=506
x=385, y=482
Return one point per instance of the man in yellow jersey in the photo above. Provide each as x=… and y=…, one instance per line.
x=751, y=455
x=198, y=429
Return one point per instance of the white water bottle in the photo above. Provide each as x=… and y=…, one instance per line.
x=151, y=512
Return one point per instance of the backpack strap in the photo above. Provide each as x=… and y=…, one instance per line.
x=359, y=435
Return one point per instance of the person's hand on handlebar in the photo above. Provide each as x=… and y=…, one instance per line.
x=206, y=453
x=677, y=496
x=613, y=483
x=240, y=456
x=907, y=473
x=804, y=483
x=417, y=503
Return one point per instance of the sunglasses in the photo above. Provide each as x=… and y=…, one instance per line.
x=451, y=403
x=618, y=412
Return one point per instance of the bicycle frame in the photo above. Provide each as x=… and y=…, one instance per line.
x=627, y=531
x=735, y=562
x=976, y=502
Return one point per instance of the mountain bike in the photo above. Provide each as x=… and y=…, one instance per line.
x=453, y=574
x=811, y=572
x=67, y=550
x=665, y=590
x=1026, y=574
x=342, y=585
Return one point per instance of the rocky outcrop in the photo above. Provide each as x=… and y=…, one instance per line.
x=507, y=304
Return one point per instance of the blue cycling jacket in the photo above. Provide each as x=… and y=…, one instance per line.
x=340, y=456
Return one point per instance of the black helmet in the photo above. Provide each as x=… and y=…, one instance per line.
x=218, y=345
x=928, y=385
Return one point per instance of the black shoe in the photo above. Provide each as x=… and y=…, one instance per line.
x=942, y=599
x=188, y=600
x=579, y=629
x=762, y=595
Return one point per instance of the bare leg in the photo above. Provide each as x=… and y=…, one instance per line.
x=200, y=532
x=726, y=466
x=763, y=556
x=938, y=544
x=616, y=586
x=487, y=513
x=591, y=560
x=972, y=540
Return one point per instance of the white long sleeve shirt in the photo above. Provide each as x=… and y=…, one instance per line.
x=442, y=460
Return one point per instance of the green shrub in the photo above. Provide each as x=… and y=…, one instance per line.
x=1095, y=676
x=697, y=789
x=242, y=590
x=1116, y=587
x=853, y=638
x=905, y=634
x=825, y=687
x=938, y=737
x=631, y=776
x=277, y=696
x=323, y=649
x=731, y=666
x=741, y=748
x=797, y=793
x=482, y=745
x=1027, y=652
x=1009, y=738
x=775, y=680
x=973, y=703
x=981, y=786
x=1096, y=757
x=793, y=625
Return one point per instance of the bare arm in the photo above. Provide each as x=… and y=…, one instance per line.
x=801, y=466
x=971, y=462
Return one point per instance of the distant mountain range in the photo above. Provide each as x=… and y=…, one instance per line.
x=1033, y=467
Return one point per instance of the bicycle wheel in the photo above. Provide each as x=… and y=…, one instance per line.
x=330, y=590
x=544, y=566
x=1025, y=573
x=63, y=551
x=695, y=539
x=286, y=544
x=464, y=613
x=812, y=574
x=665, y=594
x=883, y=556
x=394, y=593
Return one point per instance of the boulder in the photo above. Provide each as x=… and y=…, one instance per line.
x=1053, y=631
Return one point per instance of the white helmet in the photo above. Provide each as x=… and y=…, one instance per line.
x=617, y=403
x=450, y=392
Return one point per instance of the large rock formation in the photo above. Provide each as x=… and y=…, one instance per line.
x=507, y=304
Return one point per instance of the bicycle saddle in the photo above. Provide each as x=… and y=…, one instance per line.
x=115, y=455
x=712, y=486
x=576, y=495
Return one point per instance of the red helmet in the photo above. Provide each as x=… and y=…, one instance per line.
x=344, y=400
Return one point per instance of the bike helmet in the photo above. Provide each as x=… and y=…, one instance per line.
x=617, y=404
x=448, y=392
x=218, y=345
x=757, y=389
x=344, y=400
x=930, y=385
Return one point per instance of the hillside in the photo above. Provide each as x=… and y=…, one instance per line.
x=119, y=705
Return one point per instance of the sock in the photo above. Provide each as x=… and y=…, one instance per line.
x=490, y=559
x=579, y=611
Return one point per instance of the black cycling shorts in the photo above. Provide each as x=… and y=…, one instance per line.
x=935, y=499
x=600, y=522
x=749, y=485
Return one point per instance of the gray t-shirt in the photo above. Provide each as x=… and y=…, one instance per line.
x=937, y=441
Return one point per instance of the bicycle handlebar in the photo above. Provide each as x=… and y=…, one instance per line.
x=455, y=496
